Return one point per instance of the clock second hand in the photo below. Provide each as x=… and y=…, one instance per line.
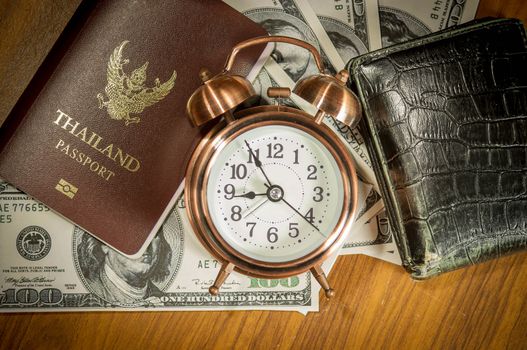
x=249, y=211
x=296, y=211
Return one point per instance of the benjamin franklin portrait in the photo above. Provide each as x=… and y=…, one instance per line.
x=398, y=26
x=345, y=39
x=122, y=280
x=295, y=61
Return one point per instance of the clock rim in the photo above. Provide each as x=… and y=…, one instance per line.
x=198, y=171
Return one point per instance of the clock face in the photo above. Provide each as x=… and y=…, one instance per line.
x=275, y=193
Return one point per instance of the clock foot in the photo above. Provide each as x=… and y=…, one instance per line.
x=320, y=276
x=225, y=271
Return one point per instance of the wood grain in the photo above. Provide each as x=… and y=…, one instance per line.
x=377, y=305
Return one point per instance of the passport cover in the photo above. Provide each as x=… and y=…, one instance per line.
x=101, y=135
x=446, y=126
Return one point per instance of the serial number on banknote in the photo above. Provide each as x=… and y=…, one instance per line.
x=22, y=207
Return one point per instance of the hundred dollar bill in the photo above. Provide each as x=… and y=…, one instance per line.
x=48, y=264
x=373, y=238
x=386, y=251
x=405, y=20
x=352, y=26
x=355, y=143
x=372, y=235
x=292, y=18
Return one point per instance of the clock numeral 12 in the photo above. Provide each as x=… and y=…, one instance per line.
x=278, y=149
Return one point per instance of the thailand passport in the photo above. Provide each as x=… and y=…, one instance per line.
x=101, y=135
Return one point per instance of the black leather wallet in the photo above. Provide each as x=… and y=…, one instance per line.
x=445, y=122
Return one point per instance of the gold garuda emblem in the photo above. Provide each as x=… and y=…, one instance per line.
x=128, y=95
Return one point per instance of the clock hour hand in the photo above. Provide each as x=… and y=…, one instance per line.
x=257, y=162
x=250, y=195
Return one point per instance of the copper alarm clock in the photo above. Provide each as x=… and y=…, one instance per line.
x=271, y=191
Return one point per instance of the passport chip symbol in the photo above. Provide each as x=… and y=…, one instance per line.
x=66, y=188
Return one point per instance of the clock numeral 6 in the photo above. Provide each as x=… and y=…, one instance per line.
x=272, y=235
x=252, y=224
x=293, y=230
x=318, y=197
x=236, y=213
x=238, y=171
x=312, y=172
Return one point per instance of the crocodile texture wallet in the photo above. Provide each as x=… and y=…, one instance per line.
x=446, y=127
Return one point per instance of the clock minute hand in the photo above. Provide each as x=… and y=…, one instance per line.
x=257, y=162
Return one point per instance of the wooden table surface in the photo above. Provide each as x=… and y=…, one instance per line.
x=377, y=304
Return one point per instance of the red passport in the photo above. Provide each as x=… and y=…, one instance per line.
x=101, y=135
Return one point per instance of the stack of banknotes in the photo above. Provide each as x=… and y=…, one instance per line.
x=49, y=264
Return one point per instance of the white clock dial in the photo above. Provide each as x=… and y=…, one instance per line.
x=274, y=193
